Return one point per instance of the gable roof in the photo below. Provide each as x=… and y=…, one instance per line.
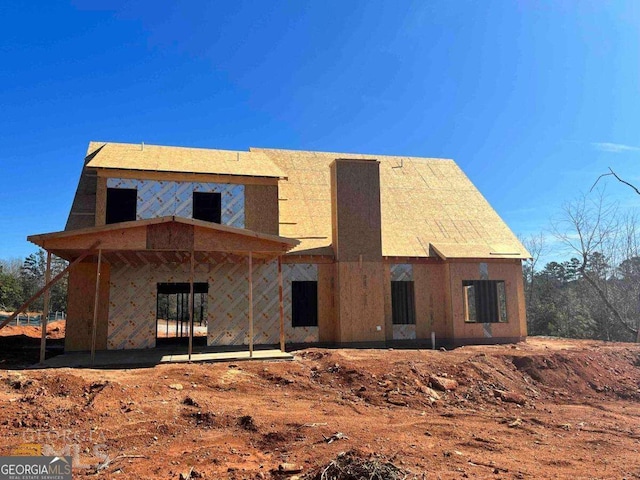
x=428, y=206
x=128, y=156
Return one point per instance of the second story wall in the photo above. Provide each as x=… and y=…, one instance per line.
x=245, y=202
x=165, y=198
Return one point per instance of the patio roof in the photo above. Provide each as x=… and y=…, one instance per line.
x=163, y=239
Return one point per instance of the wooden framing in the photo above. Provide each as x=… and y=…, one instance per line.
x=96, y=305
x=45, y=311
x=281, y=304
x=101, y=201
x=191, y=301
x=250, y=304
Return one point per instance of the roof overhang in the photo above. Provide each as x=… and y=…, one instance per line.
x=165, y=235
x=448, y=251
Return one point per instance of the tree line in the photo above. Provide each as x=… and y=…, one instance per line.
x=596, y=293
x=20, y=279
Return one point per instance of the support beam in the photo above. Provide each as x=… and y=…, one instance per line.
x=281, y=303
x=250, y=304
x=94, y=327
x=45, y=310
x=48, y=285
x=191, y=302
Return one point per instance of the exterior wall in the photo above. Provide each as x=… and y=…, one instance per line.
x=357, y=243
x=133, y=302
x=433, y=313
x=159, y=198
x=515, y=329
x=431, y=302
x=82, y=287
x=262, y=209
x=229, y=306
x=360, y=302
x=327, y=320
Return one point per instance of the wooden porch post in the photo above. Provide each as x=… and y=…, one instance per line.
x=191, y=303
x=281, y=303
x=45, y=310
x=94, y=329
x=250, y=304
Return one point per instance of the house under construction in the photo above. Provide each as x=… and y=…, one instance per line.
x=283, y=247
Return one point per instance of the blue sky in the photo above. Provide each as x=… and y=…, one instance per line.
x=533, y=99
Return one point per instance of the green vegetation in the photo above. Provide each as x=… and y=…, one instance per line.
x=20, y=280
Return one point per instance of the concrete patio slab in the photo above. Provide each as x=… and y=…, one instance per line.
x=154, y=356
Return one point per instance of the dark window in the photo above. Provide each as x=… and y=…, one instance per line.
x=304, y=309
x=207, y=206
x=403, y=305
x=121, y=204
x=485, y=301
x=169, y=288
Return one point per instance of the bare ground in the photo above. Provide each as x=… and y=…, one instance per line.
x=542, y=409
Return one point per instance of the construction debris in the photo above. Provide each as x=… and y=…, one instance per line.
x=335, y=436
x=352, y=466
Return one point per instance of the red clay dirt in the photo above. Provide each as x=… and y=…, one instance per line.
x=542, y=409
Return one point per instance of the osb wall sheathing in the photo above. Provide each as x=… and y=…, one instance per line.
x=82, y=285
x=261, y=208
x=356, y=200
x=101, y=202
x=388, y=304
x=132, y=314
x=423, y=201
x=327, y=320
x=432, y=301
x=511, y=273
x=360, y=301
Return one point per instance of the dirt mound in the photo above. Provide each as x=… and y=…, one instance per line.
x=581, y=372
x=55, y=330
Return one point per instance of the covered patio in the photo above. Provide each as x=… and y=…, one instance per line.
x=151, y=245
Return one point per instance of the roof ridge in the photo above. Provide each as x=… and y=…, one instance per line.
x=376, y=155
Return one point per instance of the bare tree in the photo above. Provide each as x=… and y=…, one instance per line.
x=618, y=178
x=537, y=246
x=593, y=229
